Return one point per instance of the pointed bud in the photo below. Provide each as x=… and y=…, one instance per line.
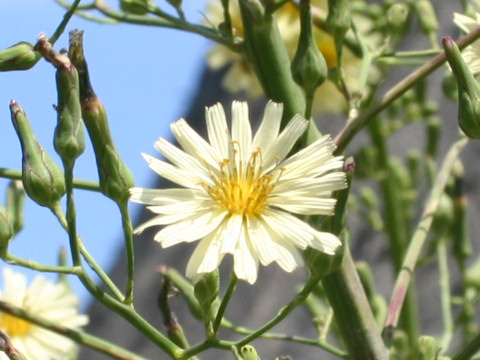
x=6, y=231
x=15, y=204
x=309, y=68
x=206, y=292
x=114, y=176
x=20, y=56
x=42, y=179
x=248, y=352
x=468, y=90
x=69, y=137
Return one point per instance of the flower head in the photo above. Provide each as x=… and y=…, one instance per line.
x=240, y=192
x=51, y=301
x=467, y=23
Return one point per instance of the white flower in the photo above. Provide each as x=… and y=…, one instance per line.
x=471, y=53
x=240, y=192
x=51, y=301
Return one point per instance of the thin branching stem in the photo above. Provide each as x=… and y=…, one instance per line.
x=418, y=239
x=353, y=127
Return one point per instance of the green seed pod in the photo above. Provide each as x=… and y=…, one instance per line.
x=42, y=178
x=468, y=90
x=206, y=292
x=114, y=176
x=15, y=204
x=6, y=231
x=248, y=352
x=20, y=56
x=309, y=68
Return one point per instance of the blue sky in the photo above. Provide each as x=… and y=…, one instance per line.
x=145, y=77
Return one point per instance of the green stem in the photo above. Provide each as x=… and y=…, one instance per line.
x=411, y=54
x=165, y=21
x=99, y=271
x=78, y=336
x=90, y=260
x=135, y=319
x=468, y=351
x=71, y=217
x=63, y=24
x=445, y=296
x=354, y=126
x=128, y=233
x=29, y=264
x=282, y=314
x=296, y=339
x=77, y=183
x=395, y=224
x=419, y=236
x=224, y=303
x=353, y=314
x=266, y=52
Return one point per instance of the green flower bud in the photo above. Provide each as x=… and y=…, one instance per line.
x=114, y=176
x=6, y=231
x=427, y=348
x=248, y=352
x=309, y=68
x=338, y=20
x=397, y=16
x=427, y=16
x=468, y=91
x=206, y=292
x=69, y=138
x=42, y=178
x=136, y=7
x=15, y=204
x=20, y=56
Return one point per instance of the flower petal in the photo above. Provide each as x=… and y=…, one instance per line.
x=203, y=223
x=217, y=129
x=269, y=127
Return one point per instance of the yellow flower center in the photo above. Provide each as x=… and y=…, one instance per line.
x=241, y=192
x=13, y=325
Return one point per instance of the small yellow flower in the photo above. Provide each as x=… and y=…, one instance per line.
x=241, y=77
x=240, y=191
x=471, y=54
x=51, y=301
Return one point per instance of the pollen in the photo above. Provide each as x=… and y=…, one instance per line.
x=242, y=189
x=13, y=325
